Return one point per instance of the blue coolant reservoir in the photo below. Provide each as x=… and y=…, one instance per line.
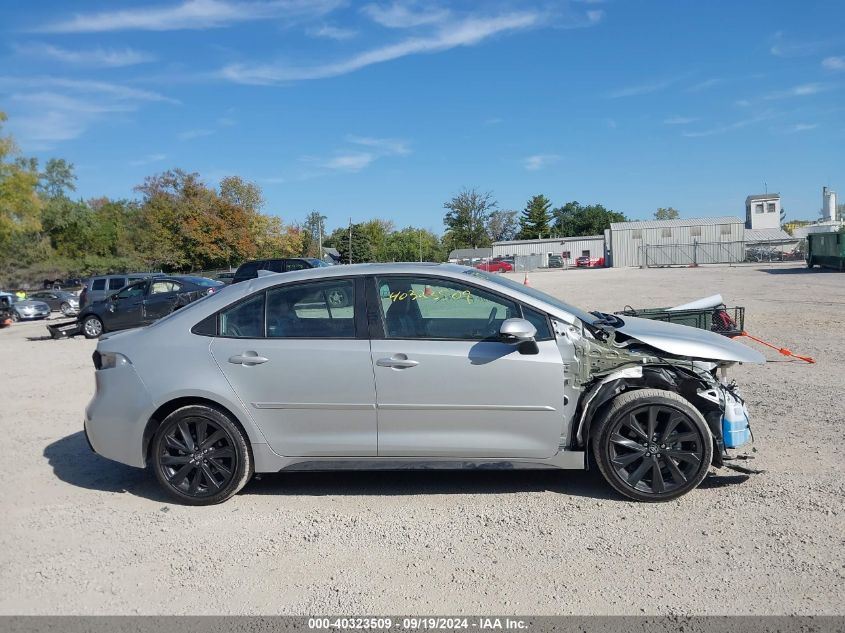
x=735, y=429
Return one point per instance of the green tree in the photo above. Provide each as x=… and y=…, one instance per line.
x=313, y=232
x=57, y=178
x=352, y=244
x=412, y=244
x=667, y=214
x=574, y=220
x=502, y=225
x=246, y=195
x=466, y=219
x=20, y=205
x=377, y=233
x=534, y=222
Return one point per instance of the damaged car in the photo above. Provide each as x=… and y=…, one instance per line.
x=426, y=366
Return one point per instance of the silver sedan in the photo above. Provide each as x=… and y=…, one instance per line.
x=424, y=366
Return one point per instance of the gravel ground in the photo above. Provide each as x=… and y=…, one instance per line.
x=82, y=535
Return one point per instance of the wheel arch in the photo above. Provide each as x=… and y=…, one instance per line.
x=160, y=414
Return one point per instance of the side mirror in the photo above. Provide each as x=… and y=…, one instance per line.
x=517, y=331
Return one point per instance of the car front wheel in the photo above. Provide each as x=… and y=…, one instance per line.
x=652, y=445
x=92, y=327
x=200, y=456
x=66, y=309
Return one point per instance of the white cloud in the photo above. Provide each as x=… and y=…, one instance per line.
x=384, y=146
x=704, y=85
x=468, y=32
x=189, y=14
x=803, y=90
x=402, y=15
x=782, y=47
x=332, y=32
x=47, y=110
x=834, y=63
x=595, y=16
x=355, y=161
x=98, y=57
x=679, y=120
x=641, y=89
x=192, y=134
x=737, y=125
x=539, y=161
x=148, y=159
x=801, y=127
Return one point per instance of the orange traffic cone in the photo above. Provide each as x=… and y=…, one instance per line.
x=525, y=281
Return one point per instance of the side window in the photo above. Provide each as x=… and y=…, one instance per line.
x=99, y=284
x=135, y=290
x=539, y=321
x=439, y=308
x=162, y=287
x=274, y=265
x=116, y=283
x=324, y=309
x=245, y=319
x=296, y=264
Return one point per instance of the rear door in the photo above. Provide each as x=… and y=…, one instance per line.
x=160, y=299
x=302, y=368
x=447, y=386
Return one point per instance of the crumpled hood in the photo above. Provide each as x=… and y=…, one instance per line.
x=683, y=340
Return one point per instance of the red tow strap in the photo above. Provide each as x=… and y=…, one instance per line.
x=782, y=350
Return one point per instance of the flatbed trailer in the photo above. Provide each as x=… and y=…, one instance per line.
x=826, y=250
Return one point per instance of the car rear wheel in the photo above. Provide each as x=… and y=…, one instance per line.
x=66, y=309
x=92, y=327
x=652, y=445
x=200, y=456
x=15, y=316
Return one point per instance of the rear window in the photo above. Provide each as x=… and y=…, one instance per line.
x=99, y=284
x=245, y=319
x=248, y=270
x=116, y=283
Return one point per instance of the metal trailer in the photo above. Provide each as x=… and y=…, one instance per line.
x=726, y=321
x=826, y=250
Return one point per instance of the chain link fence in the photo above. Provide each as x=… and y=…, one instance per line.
x=663, y=255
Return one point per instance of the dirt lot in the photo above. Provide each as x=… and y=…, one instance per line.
x=79, y=534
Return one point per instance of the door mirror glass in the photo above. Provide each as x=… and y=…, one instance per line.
x=517, y=331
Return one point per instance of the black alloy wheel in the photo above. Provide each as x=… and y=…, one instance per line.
x=653, y=445
x=201, y=456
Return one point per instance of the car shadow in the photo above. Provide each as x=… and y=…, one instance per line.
x=73, y=461
x=574, y=483
x=801, y=270
x=713, y=480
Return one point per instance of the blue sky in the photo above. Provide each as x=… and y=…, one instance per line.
x=364, y=109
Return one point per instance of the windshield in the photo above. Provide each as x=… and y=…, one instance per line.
x=532, y=292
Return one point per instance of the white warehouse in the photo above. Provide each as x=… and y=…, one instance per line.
x=569, y=248
x=680, y=242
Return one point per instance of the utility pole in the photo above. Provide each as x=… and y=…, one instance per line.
x=421, y=246
x=320, y=238
x=350, y=240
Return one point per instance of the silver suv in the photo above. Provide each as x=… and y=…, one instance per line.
x=102, y=286
x=428, y=366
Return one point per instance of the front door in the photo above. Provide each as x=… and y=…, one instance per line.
x=448, y=387
x=125, y=308
x=302, y=369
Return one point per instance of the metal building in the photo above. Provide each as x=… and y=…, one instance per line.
x=569, y=248
x=680, y=242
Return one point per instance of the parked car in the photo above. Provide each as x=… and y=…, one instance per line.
x=495, y=266
x=28, y=309
x=429, y=364
x=99, y=287
x=59, y=300
x=589, y=262
x=555, y=261
x=249, y=270
x=226, y=278
x=142, y=302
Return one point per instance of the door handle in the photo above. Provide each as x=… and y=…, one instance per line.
x=397, y=361
x=248, y=358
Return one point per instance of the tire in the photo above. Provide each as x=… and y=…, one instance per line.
x=641, y=469
x=182, y=456
x=810, y=263
x=338, y=299
x=15, y=316
x=92, y=327
x=65, y=308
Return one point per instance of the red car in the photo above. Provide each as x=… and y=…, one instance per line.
x=495, y=267
x=590, y=262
